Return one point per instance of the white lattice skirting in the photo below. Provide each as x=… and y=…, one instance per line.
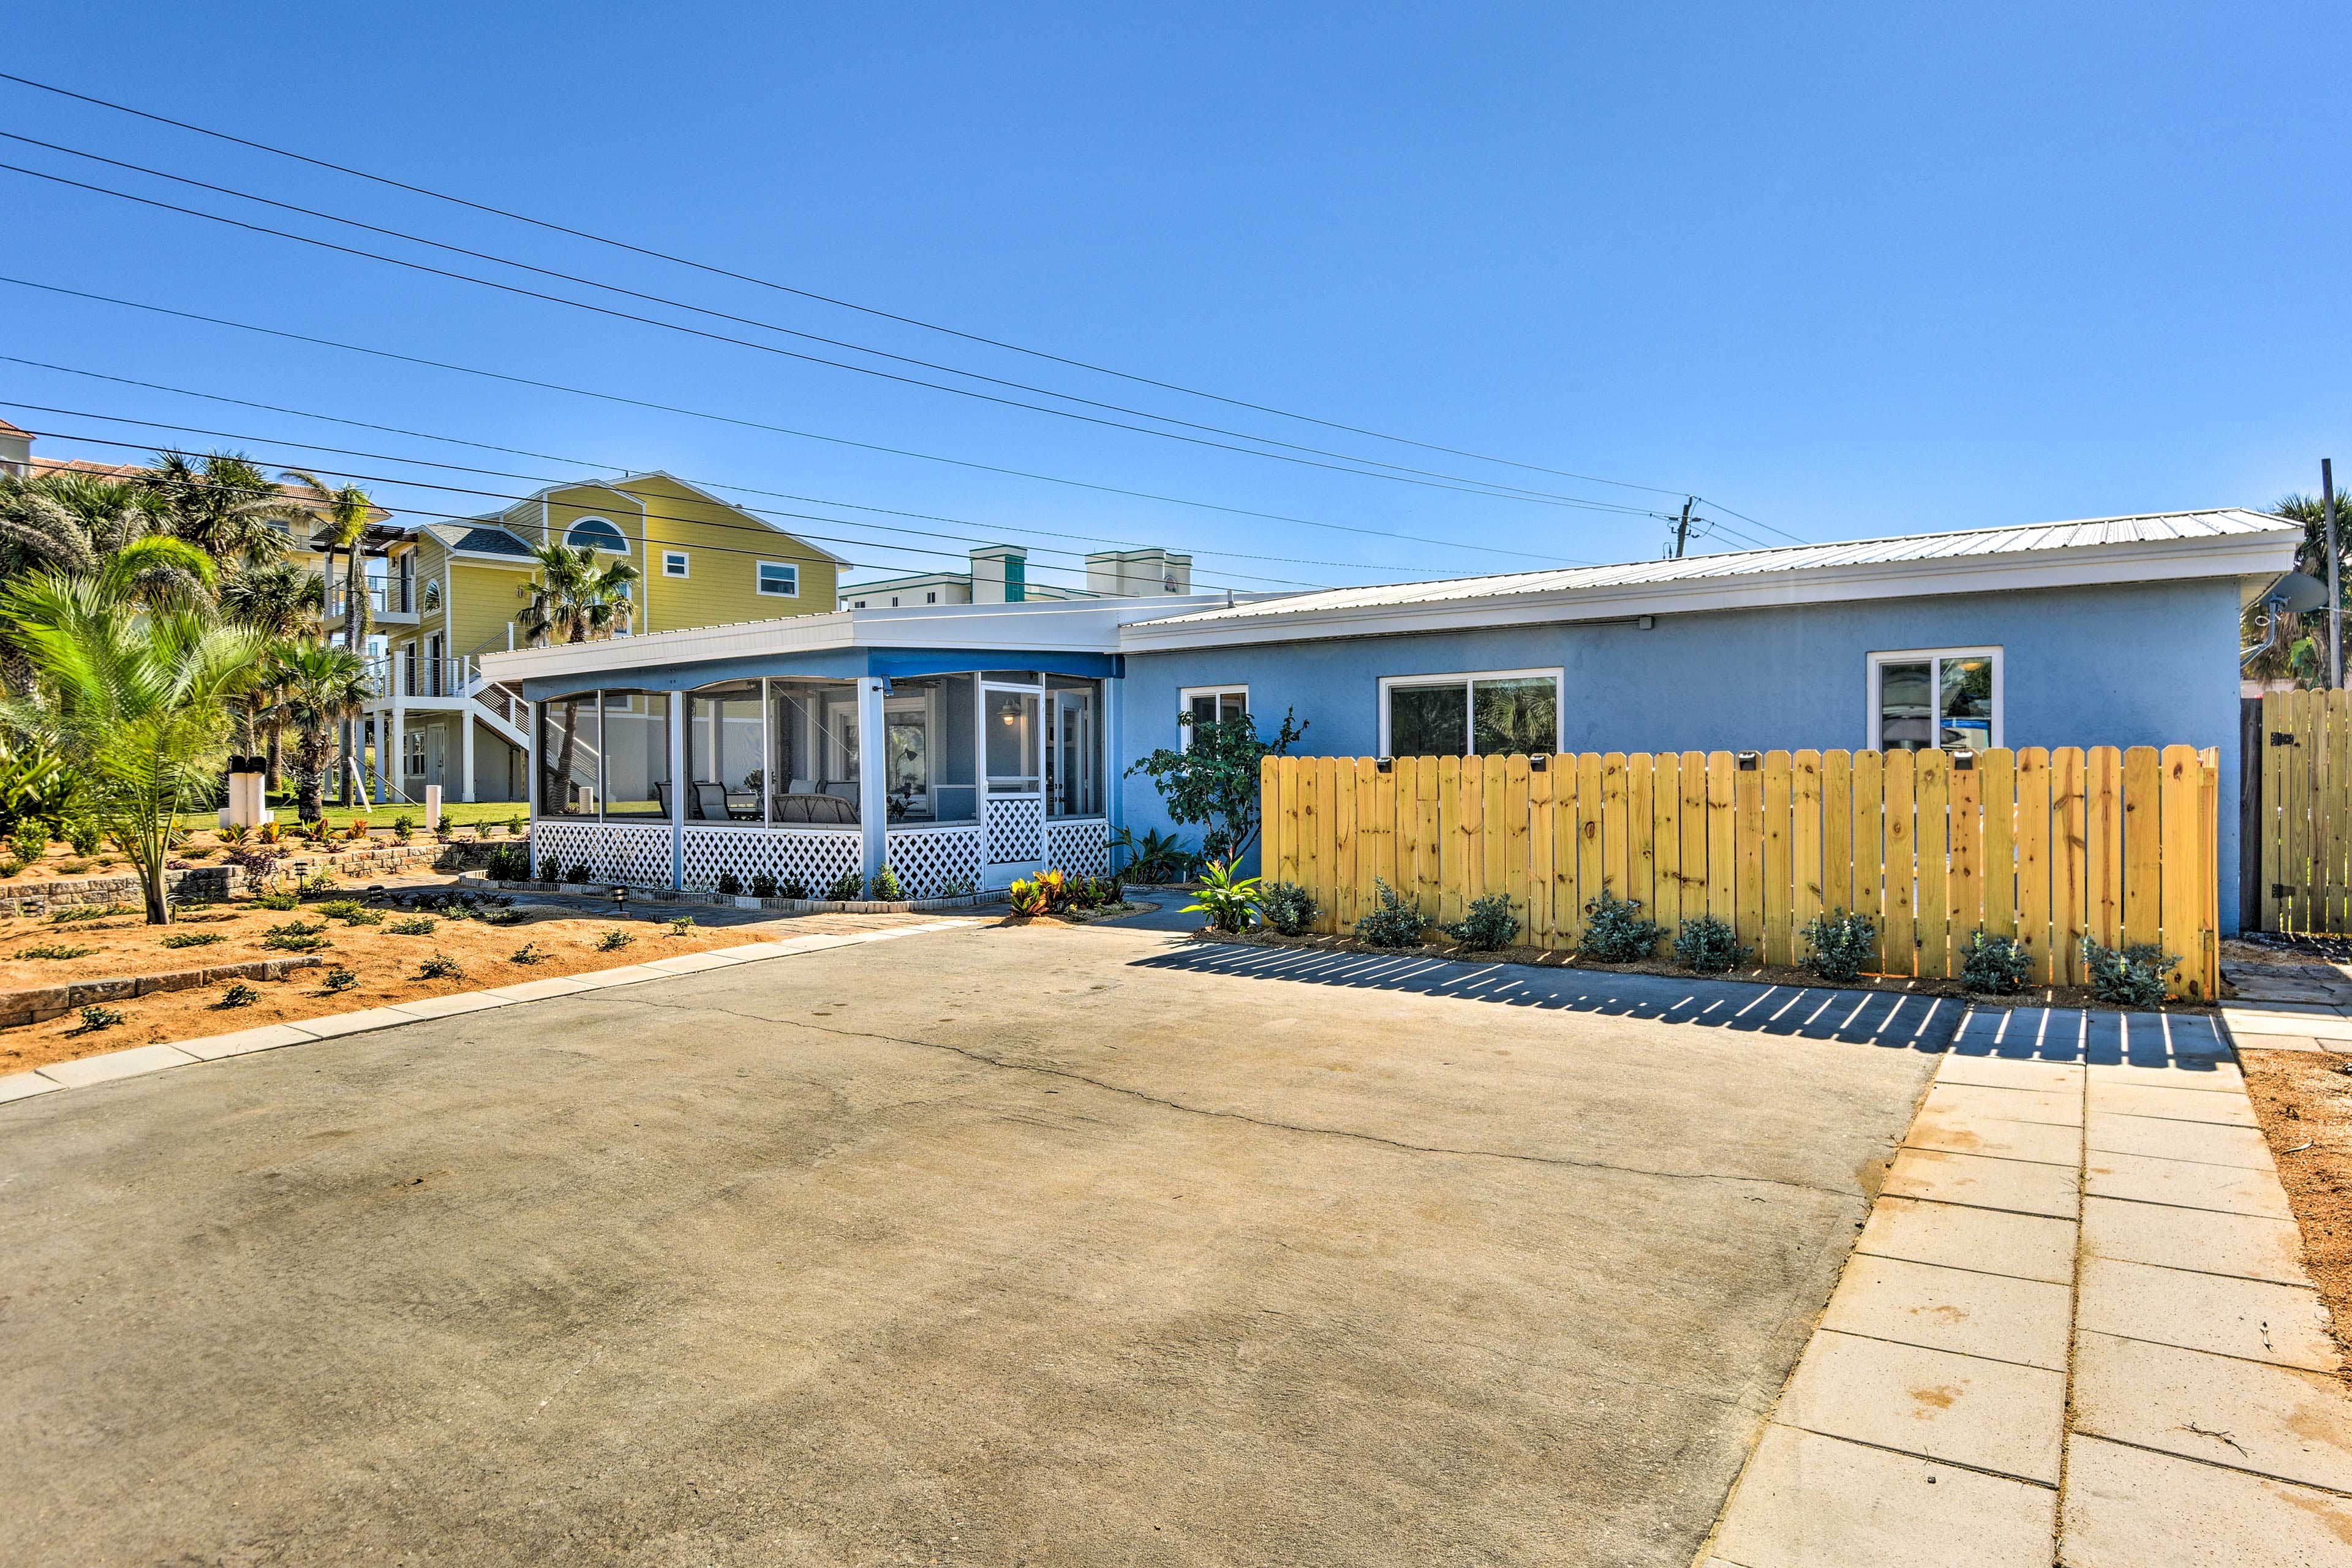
x=1081, y=847
x=612, y=852
x=1015, y=830
x=814, y=857
x=931, y=860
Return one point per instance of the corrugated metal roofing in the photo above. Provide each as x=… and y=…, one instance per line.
x=2152, y=528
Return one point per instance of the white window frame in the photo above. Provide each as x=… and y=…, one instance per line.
x=1876, y=716
x=759, y=581
x=1557, y=675
x=601, y=543
x=674, y=563
x=1185, y=706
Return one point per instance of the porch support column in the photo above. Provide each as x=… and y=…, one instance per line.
x=873, y=792
x=465, y=752
x=380, y=719
x=677, y=788
x=399, y=747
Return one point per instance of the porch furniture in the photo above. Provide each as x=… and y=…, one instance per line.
x=828, y=810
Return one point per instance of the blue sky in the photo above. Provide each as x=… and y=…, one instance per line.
x=1849, y=270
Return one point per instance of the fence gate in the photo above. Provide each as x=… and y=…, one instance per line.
x=2301, y=812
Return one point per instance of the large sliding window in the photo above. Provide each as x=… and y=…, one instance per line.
x=1936, y=698
x=1481, y=714
x=605, y=753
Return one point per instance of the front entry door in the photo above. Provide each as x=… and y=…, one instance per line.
x=1013, y=768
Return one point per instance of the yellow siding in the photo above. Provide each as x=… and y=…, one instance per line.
x=481, y=602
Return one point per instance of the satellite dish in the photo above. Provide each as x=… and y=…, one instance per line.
x=2298, y=592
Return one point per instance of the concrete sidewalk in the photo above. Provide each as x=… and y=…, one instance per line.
x=2076, y=1323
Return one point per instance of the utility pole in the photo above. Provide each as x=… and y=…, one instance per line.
x=2335, y=579
x=1682, y=529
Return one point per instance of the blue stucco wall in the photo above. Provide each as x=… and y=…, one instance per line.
x=2145, y=665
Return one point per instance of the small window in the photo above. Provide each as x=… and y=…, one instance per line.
x=894, y=601
x=856, y=604
x=597, y=533
x=778, y=580
x=673, y=563
x=931, y=598
x=432, y=596
x=1936, y=700
x=1482, y=714
x=1209, y=705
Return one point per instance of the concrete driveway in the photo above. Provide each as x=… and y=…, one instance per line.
x=995, y=1246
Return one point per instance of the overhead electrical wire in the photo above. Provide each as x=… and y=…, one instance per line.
x=824, y=299
x=685, y=411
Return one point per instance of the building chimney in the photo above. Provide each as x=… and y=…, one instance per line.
x=1138, y=573
x=1000, y=574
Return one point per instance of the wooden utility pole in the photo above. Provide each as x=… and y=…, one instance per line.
x=1682, y=528
x=2335, y=579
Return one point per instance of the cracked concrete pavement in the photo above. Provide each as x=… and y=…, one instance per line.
x=998, y=1246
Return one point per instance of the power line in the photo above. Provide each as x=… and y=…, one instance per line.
x=624, y=400
x=822, y=298
x=1478, y=487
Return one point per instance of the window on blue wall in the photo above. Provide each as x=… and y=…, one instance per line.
x=1209, y=705
x=1491, y=713
x=1936, y=698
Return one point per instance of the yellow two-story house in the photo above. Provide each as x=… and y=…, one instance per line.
x=450, y=591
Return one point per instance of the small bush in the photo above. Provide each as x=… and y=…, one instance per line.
x=529, y=952
x=497, y=916
x=514, y=825
x=1486, y=925
x=280, y=901
x=1996, y=965
x=1708, y=945
x=194, y=938
x=415, y=925
x=340, y=978
x=578, y=874
x=849, y=885
x=95, y=1017
x=680, y=924
x=731, y=886
x=75, y=914
x=509, y=863
x=763, y=886
x=201, y=852
x=1393, y=921
x=234, y=835
x=404, y=827
x=85, y=837
x=614, y=940
x=1615, y=933
x=317, y=882
x=792, y=888
x=340, y=908
x=886, y=887
x=55, y=951
x=440, y=966
x=238, y=995
x=2132, y=976
x=1840, y=944
x=1288, y=908
x=296, y=937
x=960, y=887
x=1229, y=901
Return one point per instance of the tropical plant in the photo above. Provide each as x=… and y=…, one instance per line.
x=1392, y=920
x=1287, y=907
x=339, y=517
x=1997, y=965
x=1155, y=857
x=1213, y=781
x=36, y=791
x=315, y=688
x=576, y=597
x=2301, y=653
x=1840, y=946
x=139, y=700
x=886, y=887
x=1708, y=944
x=1488, y=925
x=221, y=503
x=1615, y=931
x=848, y=885
x=1229, y=901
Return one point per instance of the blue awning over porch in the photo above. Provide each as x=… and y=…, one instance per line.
x=834, y=664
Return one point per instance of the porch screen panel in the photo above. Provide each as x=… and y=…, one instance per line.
x=812, y=772
x=1009, y=720
x=1073, y=786
x=567, y=756
x=722, y=748
x=927, y=750
x=636, y=755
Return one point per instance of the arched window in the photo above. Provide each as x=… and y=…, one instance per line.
x=597, y=534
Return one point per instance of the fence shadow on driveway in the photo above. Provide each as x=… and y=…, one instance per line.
x=2184, y=1042
x=1819, y=1013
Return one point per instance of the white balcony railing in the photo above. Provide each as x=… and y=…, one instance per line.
x=419, y=676
x=388, y=598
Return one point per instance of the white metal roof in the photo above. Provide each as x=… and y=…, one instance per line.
x=2223, y=542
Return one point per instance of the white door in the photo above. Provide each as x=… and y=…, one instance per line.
x=1013, y=773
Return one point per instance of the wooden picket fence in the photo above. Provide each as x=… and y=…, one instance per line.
x=2302, y=816
x=2048, y=847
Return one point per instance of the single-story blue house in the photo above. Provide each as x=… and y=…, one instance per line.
x=969, y=744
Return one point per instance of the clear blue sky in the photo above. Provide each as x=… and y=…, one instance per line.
x=1850, y=271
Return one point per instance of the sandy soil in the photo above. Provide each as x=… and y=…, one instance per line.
x=385, y=965
x=206, y=847
x=2304, y=1097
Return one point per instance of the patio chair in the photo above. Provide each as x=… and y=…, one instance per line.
x=711, y=800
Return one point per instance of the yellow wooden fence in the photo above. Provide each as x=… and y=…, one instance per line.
x=2305, y=818
x=2048, y=847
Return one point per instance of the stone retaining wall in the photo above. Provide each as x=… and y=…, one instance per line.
x=198, y=884
x=18, y=1008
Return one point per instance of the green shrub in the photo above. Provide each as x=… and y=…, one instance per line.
x=83, y=833
x=514, y=825
x=1288, y=908
x=529, y=952
x=340, y=978
x=579, y=872
x=1708, y=945
x=95, y=1017
x=1229, y=901
x=77, y=913
x=614, y=940
x=280, y=901
x=415, y=925
x=1486, y=925
x=680, y=924
x=1615, y=933
x=240, y=994
x=1392, y=920
x=509, y=863
x=404, y=827
x=194, y=938
x=1996, y=965
x=731, y=886
x=960, y=887
x=792, y=888
x=846, y=887
x=1840, y=944
x=763, y=886
x=502, y=916
x=2130, y=977
x=55, y=951
x=340, y=908
x=886, y=887
x=440, y=966
x=296, y=937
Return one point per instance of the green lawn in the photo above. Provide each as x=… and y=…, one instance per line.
x=457, y=814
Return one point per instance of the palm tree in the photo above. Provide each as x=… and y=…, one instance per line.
x=315, y=688
x=78, y=525
x=2302, y=651
x=281, y=603
x=226, y=507
x=340, y=516
x=137, y=696
x=576, y=598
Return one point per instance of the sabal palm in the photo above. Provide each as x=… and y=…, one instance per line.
x=137, y=696
x=576, y=598
x=224, y=505
x=281, y=603
x=314, y=688
x=336, y=516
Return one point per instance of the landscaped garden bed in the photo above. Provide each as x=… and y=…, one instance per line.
x=372, y=953
x=2303, y=1101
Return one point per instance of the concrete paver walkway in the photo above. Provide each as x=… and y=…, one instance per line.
x=2075, y=1325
